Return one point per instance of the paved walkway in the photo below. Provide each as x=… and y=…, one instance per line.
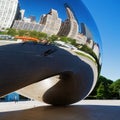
x=84, y=110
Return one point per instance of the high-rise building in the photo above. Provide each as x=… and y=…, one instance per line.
x=25, y=19
x=96, y=50
x=9, y=11
x=90, y=43
x=51, y=22
x=22, y=13
x=85, y=31
x=81, y=39
x=32, y=18
x=69, y=27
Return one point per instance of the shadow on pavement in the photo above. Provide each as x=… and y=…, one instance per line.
x=75, y=112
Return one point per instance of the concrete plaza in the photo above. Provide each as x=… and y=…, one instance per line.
x=83, y=110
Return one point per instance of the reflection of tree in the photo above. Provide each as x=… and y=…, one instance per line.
x=11, y=32
x=35, y=34
x=88, y=50
x=53, y=38
x=43, y=36
x=3, y=32
x=21, y=32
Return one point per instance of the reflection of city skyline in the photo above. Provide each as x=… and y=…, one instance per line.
x=45, y=58
x=51, y=24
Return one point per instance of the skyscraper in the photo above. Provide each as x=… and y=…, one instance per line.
x=22, y=13
x=69, y=27
x=32, y=18
x=9, y=11
x=51, y=22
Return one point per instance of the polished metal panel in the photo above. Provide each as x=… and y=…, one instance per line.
x=59, y=69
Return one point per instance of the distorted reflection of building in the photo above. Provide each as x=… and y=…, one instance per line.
x=69, y=27
x=32, y=18
x=52, y=25
x=22, y=13
x=94, y=46
x=96, y=50
x=81, y=38
x=90, y=43
x=27, y=25
x=9, y=11
x=49, y=23
x=85, y=31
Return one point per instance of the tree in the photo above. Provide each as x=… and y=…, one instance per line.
x=42, y=35
x=21, y=32
x=101, y=91
x=11, y=32
x=33, y=34
x=53, y=38
x=115, y=89
x=102, y=84
x=64, y=39
x=3, y=33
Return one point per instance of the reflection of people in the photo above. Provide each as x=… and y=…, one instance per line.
x=15, y=98
x=45, y=42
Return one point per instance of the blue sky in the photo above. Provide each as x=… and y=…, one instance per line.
x=107, y=17
x=106, y=13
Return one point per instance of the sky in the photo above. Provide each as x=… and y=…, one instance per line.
x=106, y=14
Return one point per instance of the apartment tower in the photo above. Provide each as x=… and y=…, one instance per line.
x=9, y=11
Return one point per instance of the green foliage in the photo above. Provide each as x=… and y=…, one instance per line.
x=115, y=89
x=64, y=39
x=106, y=89
x=88, y=50
x=33, y=34
x=3, y=32
x=11, y=32
x=101, y=90
x=68, y=40
x=21, y=32
x=41, y=35
x=53, y=38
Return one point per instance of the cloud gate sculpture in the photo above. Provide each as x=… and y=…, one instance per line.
x=61, y=66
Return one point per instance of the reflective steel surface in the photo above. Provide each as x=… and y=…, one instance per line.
x=55, y=59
